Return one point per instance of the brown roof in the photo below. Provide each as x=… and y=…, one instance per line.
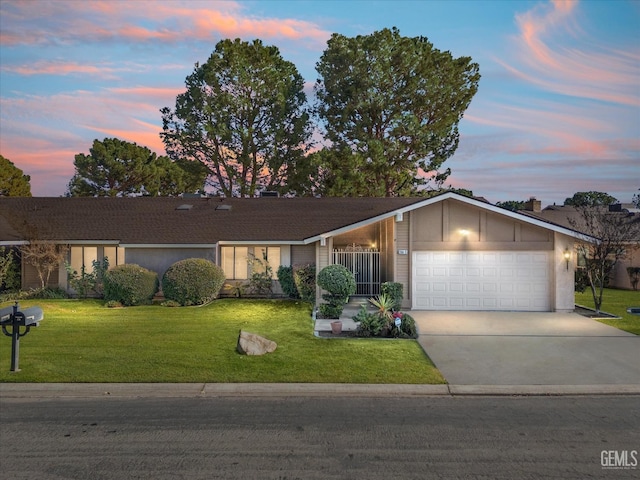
x=564, y=215
x=158, y=220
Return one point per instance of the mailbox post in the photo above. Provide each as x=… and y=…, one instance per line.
x=12, y=317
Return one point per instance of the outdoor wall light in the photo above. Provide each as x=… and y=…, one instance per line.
x=464, y=232
x=567, y=256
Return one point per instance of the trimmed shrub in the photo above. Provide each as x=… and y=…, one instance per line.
x=337, y=280
x=393, y=290
x=330, y=310
x=305, y=280
x=193, y=281
x=340, y=283
x=287, y=283
x=130, y=284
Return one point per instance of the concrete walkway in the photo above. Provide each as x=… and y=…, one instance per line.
x=515, y=348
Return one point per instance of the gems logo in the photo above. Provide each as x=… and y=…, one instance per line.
x=619, y=459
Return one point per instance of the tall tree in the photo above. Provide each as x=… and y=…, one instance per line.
x=590, y=199
x=13, y=181
x=513, y=205
x=391, y=107
x=243, y=115
x=115, y=168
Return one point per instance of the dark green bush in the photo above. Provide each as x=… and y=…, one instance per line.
x=407, y=329
x=329, y=310
x=374, y=324
x=370, y=324
x=634, y=276
x=287, y=283
x=10, y=276
x=130, y=284
x=193, y=281
x=305, y=280
x=337, y=280
x=340, y=283
x=393, y=290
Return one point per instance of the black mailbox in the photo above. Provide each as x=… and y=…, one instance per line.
x=31, y=316
x=5, y=315
x=13, y=318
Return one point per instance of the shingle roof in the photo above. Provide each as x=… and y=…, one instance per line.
x=158, y=220
x=568, y=216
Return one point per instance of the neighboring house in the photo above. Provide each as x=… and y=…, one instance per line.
x=450, y=252
x=563, y=216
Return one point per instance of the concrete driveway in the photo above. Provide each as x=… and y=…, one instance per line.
x=516, y=348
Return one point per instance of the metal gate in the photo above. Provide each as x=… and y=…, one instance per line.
x=364, y=263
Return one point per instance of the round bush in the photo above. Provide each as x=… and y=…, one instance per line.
x=194, y=281
x=130, y=284
x=337, y=280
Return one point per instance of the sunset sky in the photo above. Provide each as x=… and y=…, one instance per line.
x=557, y=111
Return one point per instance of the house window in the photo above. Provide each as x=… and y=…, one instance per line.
x=115, y=255
x=235, y=260
x=86, y=255
x=272, y=255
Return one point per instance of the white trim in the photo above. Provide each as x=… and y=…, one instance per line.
x=261, y=242
x=8, y=243
x=168, y=245
x=89, y=242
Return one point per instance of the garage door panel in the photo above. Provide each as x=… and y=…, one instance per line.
x=481, y=280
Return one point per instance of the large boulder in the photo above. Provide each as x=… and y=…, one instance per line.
x=252, y=344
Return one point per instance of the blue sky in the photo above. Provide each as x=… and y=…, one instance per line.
x=557, y=111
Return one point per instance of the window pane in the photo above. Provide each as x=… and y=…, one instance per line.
x=273, y=255
x=90, y=255
x=241, y=265
x=111, y=256
x=227, y=262
x=76, y=259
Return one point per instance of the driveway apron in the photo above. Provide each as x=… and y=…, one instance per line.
x=522, y=348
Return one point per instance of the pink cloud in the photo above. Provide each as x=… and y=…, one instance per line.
x=546, y=59
x=145, y=21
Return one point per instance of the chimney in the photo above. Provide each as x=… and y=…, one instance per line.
x=533, y=205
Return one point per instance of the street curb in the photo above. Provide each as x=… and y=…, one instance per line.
x=213, y=390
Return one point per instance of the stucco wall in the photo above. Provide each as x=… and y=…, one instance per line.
x=564, y=291
x=620, y=277
x=160, y=259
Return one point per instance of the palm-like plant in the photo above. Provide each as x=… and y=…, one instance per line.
x=384, y=305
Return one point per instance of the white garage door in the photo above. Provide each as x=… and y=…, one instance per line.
x=481, y=281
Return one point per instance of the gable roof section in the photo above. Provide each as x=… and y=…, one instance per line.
x=480, y=203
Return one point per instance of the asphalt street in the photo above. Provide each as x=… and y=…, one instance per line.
x=319, y=437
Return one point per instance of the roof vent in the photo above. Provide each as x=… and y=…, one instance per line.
x=184, y=206
x=269, y=193
x=223, y=206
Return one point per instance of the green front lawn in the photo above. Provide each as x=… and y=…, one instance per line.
x=83, y=341
x=615, y=302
